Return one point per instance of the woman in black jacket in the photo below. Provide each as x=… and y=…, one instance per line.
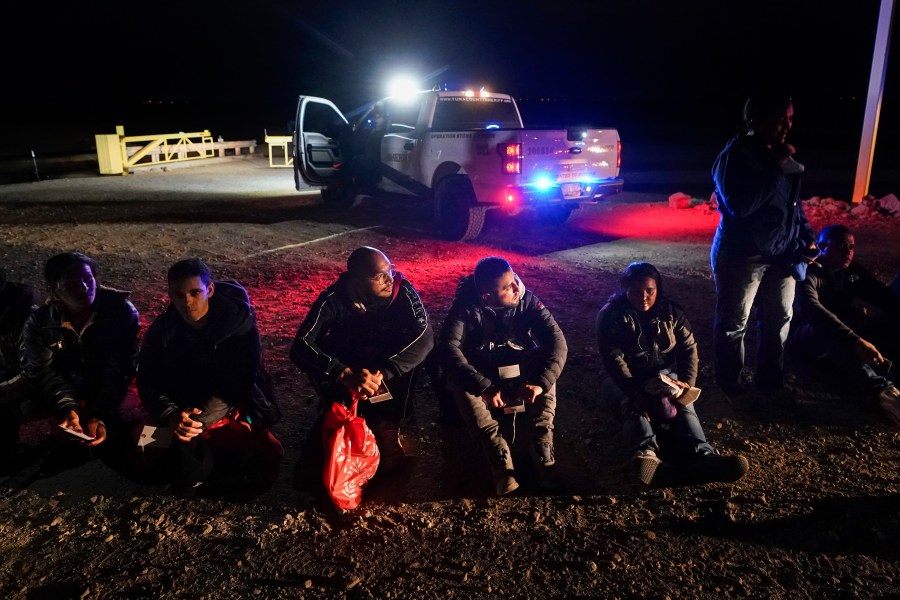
x=649, y=359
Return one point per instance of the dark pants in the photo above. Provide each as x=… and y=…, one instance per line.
x=839, y=359
x=242, y=456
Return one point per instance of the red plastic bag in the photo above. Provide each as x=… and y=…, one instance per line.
x=351, y=455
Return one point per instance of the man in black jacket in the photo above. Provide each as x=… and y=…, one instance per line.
x=832, y=322
x=502, y=353
x=79, y=349
x=366, y=333
x=201, y=373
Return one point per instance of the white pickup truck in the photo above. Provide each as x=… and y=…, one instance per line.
x=468, y=152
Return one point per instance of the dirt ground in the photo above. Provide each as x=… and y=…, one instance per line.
x=817, y=516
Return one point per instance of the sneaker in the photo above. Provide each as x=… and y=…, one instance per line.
x=645, y=464
x=502, y=472
x=716, y=467
x=739, y=398
x=889, y=403
x=542, y=454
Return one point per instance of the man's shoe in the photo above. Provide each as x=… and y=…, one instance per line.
x=542, y=454
x=712, y=466
x=645, y=464
x=889, y=403
x=502, y=472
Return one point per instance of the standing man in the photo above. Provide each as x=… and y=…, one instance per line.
x=830, y=324
x=763, y=242
x=367, y=333
x=200, y=372
x=502, y=352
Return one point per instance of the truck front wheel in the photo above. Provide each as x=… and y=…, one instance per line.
x=340, y=197
x=458, y=217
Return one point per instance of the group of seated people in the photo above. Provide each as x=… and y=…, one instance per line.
x=198, y=372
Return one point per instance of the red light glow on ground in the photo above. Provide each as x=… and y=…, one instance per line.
x=654, y=221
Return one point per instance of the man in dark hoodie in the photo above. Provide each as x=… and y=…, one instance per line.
x=201, y=373
x=502, y=353
x=365, y=333
x=761, y=246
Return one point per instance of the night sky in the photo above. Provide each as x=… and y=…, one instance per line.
x=649, y=67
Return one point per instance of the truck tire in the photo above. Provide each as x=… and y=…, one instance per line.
x=458, y=217
x=554, y=215
x=340, y=197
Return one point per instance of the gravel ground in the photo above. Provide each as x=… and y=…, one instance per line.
x=817, y=516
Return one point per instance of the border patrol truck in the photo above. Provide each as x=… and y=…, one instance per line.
x=467, y=152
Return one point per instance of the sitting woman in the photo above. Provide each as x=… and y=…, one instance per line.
x=649, y=360
x=80, y=350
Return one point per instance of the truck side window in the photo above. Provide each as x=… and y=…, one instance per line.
x=320, y=118
x=402, y=117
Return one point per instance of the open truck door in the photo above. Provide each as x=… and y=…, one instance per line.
x=322, y=139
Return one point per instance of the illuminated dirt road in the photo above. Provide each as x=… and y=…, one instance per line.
x=817, y=515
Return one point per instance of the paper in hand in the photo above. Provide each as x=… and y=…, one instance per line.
x=155, y=437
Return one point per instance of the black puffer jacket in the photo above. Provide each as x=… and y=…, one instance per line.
x=472, y=333
x=181, y=368
x=91, y=369
x=636, y=346
x=341, y=331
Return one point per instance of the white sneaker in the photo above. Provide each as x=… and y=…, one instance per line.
x=644, y=464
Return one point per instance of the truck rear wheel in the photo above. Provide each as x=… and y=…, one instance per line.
x=458, y=217
x=341, y=197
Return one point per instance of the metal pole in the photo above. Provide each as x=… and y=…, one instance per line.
x=37, y=175
x=873, y=101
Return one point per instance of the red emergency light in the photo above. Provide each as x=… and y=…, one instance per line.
x=512, y=158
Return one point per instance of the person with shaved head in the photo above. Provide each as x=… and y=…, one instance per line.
x=367, y=333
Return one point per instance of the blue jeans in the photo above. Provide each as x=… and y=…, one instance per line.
x=683, y=432
x=740, y=281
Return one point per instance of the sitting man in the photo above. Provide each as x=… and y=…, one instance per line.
x=502, y=353
x=79, y=349
x=16, y=303
x=833, y=324
x=201, y=373
x=367, y=332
